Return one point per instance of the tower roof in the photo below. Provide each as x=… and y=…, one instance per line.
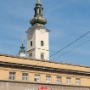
x=22, y=51
x=38, y=17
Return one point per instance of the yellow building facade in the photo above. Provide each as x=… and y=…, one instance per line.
x=26, y=71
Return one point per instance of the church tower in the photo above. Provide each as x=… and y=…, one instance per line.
x=38, y=35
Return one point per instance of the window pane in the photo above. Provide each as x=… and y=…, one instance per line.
x=68, y=80
x=24, y=76
x=12, y=75
x=37, y=78
x=78, y=81
x=48, y=78
x=59, y=80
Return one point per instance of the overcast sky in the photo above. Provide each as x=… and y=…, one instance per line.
x=67, y=20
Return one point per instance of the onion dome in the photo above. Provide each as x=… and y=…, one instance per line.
x=38, y=17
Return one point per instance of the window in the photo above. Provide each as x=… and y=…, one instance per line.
x=78, y=81
x=12, y=75
x=24, y=76
x=48, y=78
x=37, y=78
x=59, y=79
x=42, y=55
x=40, y=11
x=42, y=43
x=30, y=55
x=31, y=43
x=68, y=80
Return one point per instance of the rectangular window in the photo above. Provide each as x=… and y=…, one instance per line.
x=59, y=79
x=31, y=43
x=48, y=78
x=24, y=76
x=78, y=81
x=68, y=80
x=37, y=78
x=42, y=43
x=42, y=56
x=12, y=75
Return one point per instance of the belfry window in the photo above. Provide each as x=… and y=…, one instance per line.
x=40, y=11
x=42, y=55
x=30, y=55
x=31, y=43
x=42, y=43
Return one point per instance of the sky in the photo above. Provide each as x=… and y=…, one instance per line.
x=67, y=20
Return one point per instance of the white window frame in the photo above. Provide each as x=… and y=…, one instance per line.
x=12, y=75
x=77, y=81
x=48, y=78
x=25, y=76
x=68, y=80
x=59, y=80
x=37, y=78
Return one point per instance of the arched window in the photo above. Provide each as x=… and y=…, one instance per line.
x=42, y=43
x=40, y=11
x=42, y=55
x=31, y=43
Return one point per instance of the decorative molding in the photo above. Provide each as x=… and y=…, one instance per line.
x=42, y=68
x=49, y=61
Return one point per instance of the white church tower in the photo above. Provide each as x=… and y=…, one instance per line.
x=38, y=35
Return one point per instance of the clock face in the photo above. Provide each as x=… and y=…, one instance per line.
x=42, y=31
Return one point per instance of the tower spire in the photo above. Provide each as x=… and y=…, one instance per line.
x=38, y=19
x=22, y=52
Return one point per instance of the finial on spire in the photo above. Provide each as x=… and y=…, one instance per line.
x=38, y=2
x=22, y=40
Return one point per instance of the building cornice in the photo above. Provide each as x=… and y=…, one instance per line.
x=43, y=68
x=48, y=61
